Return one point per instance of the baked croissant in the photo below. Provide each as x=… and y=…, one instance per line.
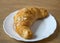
x=25, y=18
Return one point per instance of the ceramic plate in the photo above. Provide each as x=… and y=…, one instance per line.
x=41, y=28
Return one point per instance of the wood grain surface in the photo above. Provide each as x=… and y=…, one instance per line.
x=8, y=6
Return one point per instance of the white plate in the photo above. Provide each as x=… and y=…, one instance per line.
x=41, y=29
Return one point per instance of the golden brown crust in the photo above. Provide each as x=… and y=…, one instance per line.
x=25, y=18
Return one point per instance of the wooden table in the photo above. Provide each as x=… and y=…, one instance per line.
x=8, y=6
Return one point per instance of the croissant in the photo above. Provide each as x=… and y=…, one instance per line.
x=25, y=18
